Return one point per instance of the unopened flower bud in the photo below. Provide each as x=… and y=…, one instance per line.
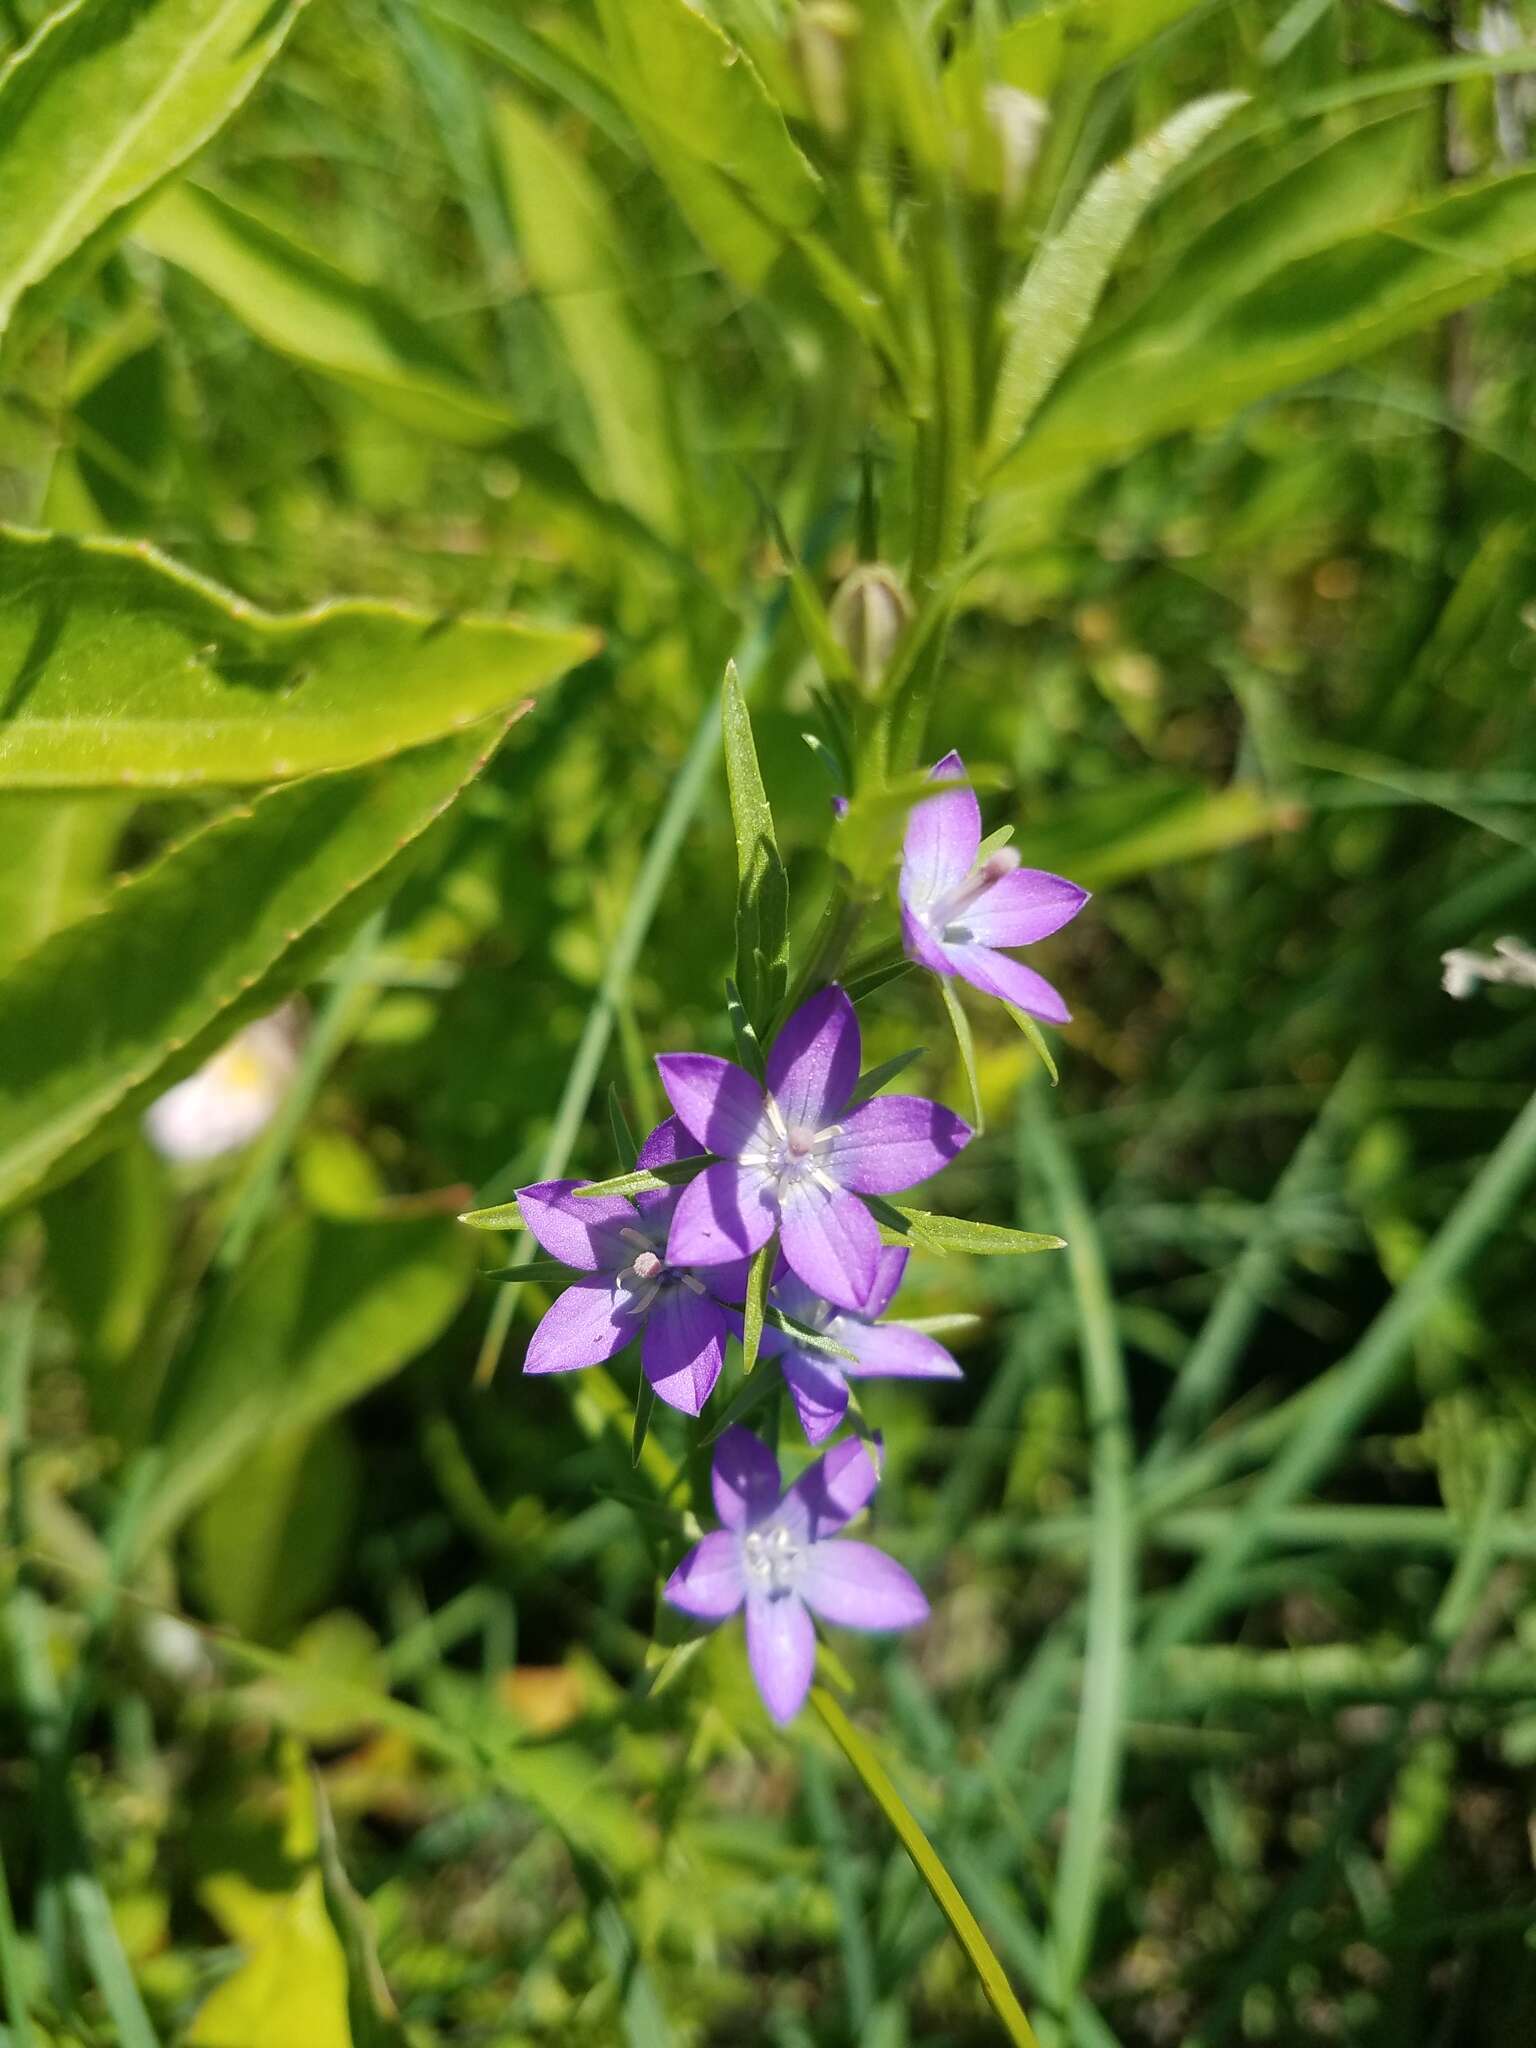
x=821, y=37
x=869, y=615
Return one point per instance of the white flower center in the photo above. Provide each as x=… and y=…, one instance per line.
x=790, y=1152
x=648, y=1273
x=772, y=1557
x=945, y=916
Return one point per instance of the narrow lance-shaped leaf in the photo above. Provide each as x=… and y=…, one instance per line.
x=758, y=1275
x=1056, y=301
x=965, y=1045
x=108, y=1012
x=300, y=304
x=121, y=669
x=1328, y=308
x=107, y=99
x=930, y=1233
x=930, y=1867
x=762, y=887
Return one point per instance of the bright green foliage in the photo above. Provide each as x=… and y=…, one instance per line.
x=124, y=671
x=107, y=1012
x=303, y=306
x=1187, y=414
x=762, y=887
x=108, y=98
x=321, y=1313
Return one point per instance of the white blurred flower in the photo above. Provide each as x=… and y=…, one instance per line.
x=1511, y=960
x=232, y=1097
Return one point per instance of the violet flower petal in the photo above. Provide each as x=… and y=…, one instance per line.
x=888, y=1274
x=831, y=1241
x=918, y=946
x=830, y=1492
x=1024, y=905
x=818, y=1390
x=857, y=1586
x=814, y=1061
x=892, y=1142
x=669, y=1141
x=725, y=1212
x=586, y=1324
x=709, y=1582
x=892, y=1351
x=943, y=833
x=996, y=974
x=781, y=1646
x=718, y=1103
x=684, y=1347
x=744, y=1479
x=578, y=1231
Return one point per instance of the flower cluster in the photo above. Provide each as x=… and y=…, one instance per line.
x=785, y=1169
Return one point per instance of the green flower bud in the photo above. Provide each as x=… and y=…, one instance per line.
x=869, y=614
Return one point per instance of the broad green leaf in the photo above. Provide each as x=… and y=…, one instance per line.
x=1328, y=308
x=762, y=887
x=300, y=304
x=1056, y=301
x=716, y=138
x=106, y=100
x=267, y=1545
x=930, y=1867
x=292, y=1986
x=323, y=1312
x=574, y=252
x=110, y=1011
x=759, y=1273
x=1135, y=828
x=704, y=96
x=1083, y=37
x=55, y=856
x=120, y=669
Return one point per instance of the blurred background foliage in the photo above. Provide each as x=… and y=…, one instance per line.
x=309, y=1600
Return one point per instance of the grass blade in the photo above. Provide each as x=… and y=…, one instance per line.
x=1339, y=1404
x=1099, y=1749
x=994, y=1982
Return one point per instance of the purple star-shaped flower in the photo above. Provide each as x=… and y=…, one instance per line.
x=818, y=1383
x=956, y=912
x=632, y=1286
x=795, y=1158
x=774, y=1556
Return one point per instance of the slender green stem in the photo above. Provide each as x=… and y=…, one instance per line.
x=683, y=801
x=13, y=1980
x=930, y=1867
x=1352, y=1389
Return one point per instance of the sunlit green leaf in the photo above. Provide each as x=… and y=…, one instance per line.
x=762, y=887
x=123, y=670
x=320, y=1314
x=1055, y=303
x=108, y=1012
x=105, y=101
x=300, y=304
